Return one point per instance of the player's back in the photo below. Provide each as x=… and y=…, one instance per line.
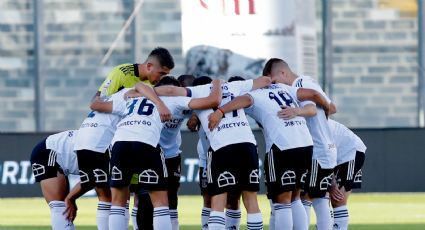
x=234, y=127
x=141, y=121
x=97, y=130
x=285, y=134
x=347, y=143
x=63, y=145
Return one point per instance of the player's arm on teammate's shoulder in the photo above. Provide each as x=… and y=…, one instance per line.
x=304, y=94
x=101, y=106
x=169, y=90
x=287, y=113
x=238, y=102
x=212, y=100
x=149, y=93
x=261, y=82
x=110, y=85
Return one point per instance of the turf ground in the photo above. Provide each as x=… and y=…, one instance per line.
x=375, y=211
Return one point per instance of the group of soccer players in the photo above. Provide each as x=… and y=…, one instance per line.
x=130, y=142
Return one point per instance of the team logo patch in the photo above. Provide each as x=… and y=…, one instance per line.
x=116, y=174
x=288, y=178
x=38, y=169
x=358, y=177
x=84, y=177
x=254, y=177
x=304, y=176
x=325, y=182
x=226, y=179
x=101, y=176
x=148, y=176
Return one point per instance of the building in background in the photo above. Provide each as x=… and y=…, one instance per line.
x=374, y=78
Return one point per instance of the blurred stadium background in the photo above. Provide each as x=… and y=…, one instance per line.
x=368, y=55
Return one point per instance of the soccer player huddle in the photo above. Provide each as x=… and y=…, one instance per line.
x=130, y=143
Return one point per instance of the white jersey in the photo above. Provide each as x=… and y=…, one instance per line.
x=234, y=127
x=324, y=149
x=63, y=144
x=347, y=143
x=142, y=122
x=97, y=130
x=170, y=139
x=285, y=134
x=202, y=148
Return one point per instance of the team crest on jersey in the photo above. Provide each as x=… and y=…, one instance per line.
x=38, y=169
x=226, y=179
x=100, y=175
x=148, y=176
x=288, y=178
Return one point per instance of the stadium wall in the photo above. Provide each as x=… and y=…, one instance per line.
x=394, y=161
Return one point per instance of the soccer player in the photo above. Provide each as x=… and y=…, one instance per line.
x=170, y=142
x=324, y=149
x=290, y=145
x=135, y=150
x=91, y=146
x=52, y=160
x=348, y=174
x=232, y=160
x=159, y=63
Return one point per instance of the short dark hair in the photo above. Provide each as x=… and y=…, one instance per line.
x=202, y=81
x=168, y=80
x=269, y=65
x=186, y=80
x=236, y=78
x=163, y=56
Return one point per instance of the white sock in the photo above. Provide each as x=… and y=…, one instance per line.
x=341, y=218
x=283, y=216
x=272, y=216
x=323, y=214
x=204, y=217
x=127, y=213
x=134, y=218
x=299, y=216
x=174, y=219
x=254, y=221
x=233, y=219
x=217, y=221
x=307, y=207
x=59, y=220
x=117, y=218
x=102, y=215
x=161, y=218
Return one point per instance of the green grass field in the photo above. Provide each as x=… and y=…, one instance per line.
x=377, y=211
